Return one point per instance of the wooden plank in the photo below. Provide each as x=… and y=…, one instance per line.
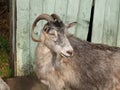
x=98, y=21
x=105, y=25
x=22, y=37
x=118, y=37
x=36, y=8
x=61, y=7
x=48, y=6
x=72, y=13
x=83, y=18
x=110, y=28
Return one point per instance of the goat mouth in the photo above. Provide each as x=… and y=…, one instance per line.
x=64, y=55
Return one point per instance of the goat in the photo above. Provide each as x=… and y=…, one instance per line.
x=65, y=62
x=3, y=85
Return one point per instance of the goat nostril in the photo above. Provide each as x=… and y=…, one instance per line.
x=70, y=53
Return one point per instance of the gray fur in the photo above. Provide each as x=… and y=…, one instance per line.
x=91, y=67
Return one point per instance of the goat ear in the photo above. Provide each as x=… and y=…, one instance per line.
x=71, y=24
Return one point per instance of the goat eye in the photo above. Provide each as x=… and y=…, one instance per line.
x=47, y=29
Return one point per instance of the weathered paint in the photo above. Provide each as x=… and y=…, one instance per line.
x=105, y=25
x=98, y=21
x=72, y=13
x=28, y=10
x=118, y=34
x=36, y=8
x=49, y=6
x=111, y=22
x=61, y=8
x=83, y=18
x=22, y=37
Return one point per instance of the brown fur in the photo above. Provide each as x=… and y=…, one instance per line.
x=92, y=66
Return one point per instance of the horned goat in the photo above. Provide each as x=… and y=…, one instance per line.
x=64, y=62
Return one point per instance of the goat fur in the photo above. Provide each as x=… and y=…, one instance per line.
x=3, y=85
x=92, y=67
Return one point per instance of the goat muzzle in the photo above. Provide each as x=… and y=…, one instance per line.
x=68, y=53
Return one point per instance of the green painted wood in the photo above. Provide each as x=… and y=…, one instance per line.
x=22, y=38
x=36, y=8
x=110, y=28
x=118, y=35
x=105, y=26
x=61, y=7
x=72, y=13
x=49, y=6
x=98, y=21
x=83, y=18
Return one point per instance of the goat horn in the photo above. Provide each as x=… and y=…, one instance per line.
x=40, y=17
x=55, y=16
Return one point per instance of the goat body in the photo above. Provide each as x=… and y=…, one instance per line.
x=64, y=62
x=92, y=67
